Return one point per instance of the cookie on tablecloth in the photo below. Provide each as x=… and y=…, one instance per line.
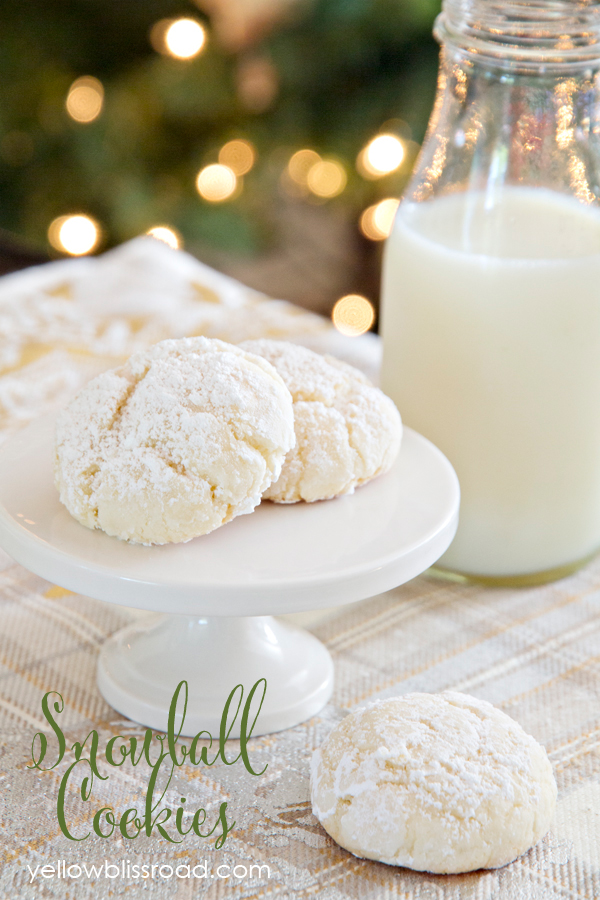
x=440, y=783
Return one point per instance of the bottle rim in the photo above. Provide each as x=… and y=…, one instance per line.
x=523, y=35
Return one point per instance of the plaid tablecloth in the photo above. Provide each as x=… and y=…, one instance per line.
x=532, y=652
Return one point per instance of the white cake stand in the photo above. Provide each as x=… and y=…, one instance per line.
x=220, y=591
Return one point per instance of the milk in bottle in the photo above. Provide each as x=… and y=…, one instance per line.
x=491, y=285
x=492, y=351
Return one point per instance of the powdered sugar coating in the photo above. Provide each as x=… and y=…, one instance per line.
x=174, y=443
x=442, y=783
x=347, y=430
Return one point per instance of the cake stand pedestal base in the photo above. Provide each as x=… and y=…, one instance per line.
x=140, y=667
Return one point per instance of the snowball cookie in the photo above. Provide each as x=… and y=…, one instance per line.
x=179, y=440
x=440, y=783
x=347, y=430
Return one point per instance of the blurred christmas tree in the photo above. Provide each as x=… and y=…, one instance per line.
x=101, y=114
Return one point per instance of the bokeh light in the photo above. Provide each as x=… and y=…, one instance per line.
x=300, y=165
x=184, y=38
x=384, y=154
x=377, y=220
x=216, y=183
x=75, y=235
x=85, y=99
x=167, y=235
x=238, y=155
x=326, y=178
x=353, y=315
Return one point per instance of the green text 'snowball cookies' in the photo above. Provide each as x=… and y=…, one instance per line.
x=440, y=783
x=174, y=443
x=347, y=430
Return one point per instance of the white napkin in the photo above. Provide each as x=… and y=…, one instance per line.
x=63, y=322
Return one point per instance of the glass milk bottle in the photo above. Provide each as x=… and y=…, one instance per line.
x=491, y=285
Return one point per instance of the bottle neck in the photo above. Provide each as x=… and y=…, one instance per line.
x=524, y=36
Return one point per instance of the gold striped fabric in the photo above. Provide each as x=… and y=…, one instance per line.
x=533, y=653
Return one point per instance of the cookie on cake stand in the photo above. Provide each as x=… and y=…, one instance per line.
x=219, y=593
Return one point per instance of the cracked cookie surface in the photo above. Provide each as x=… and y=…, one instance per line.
x=176, y=442
x=347, y=430
x=441, y=783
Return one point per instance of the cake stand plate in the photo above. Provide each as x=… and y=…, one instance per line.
x=218, y=593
